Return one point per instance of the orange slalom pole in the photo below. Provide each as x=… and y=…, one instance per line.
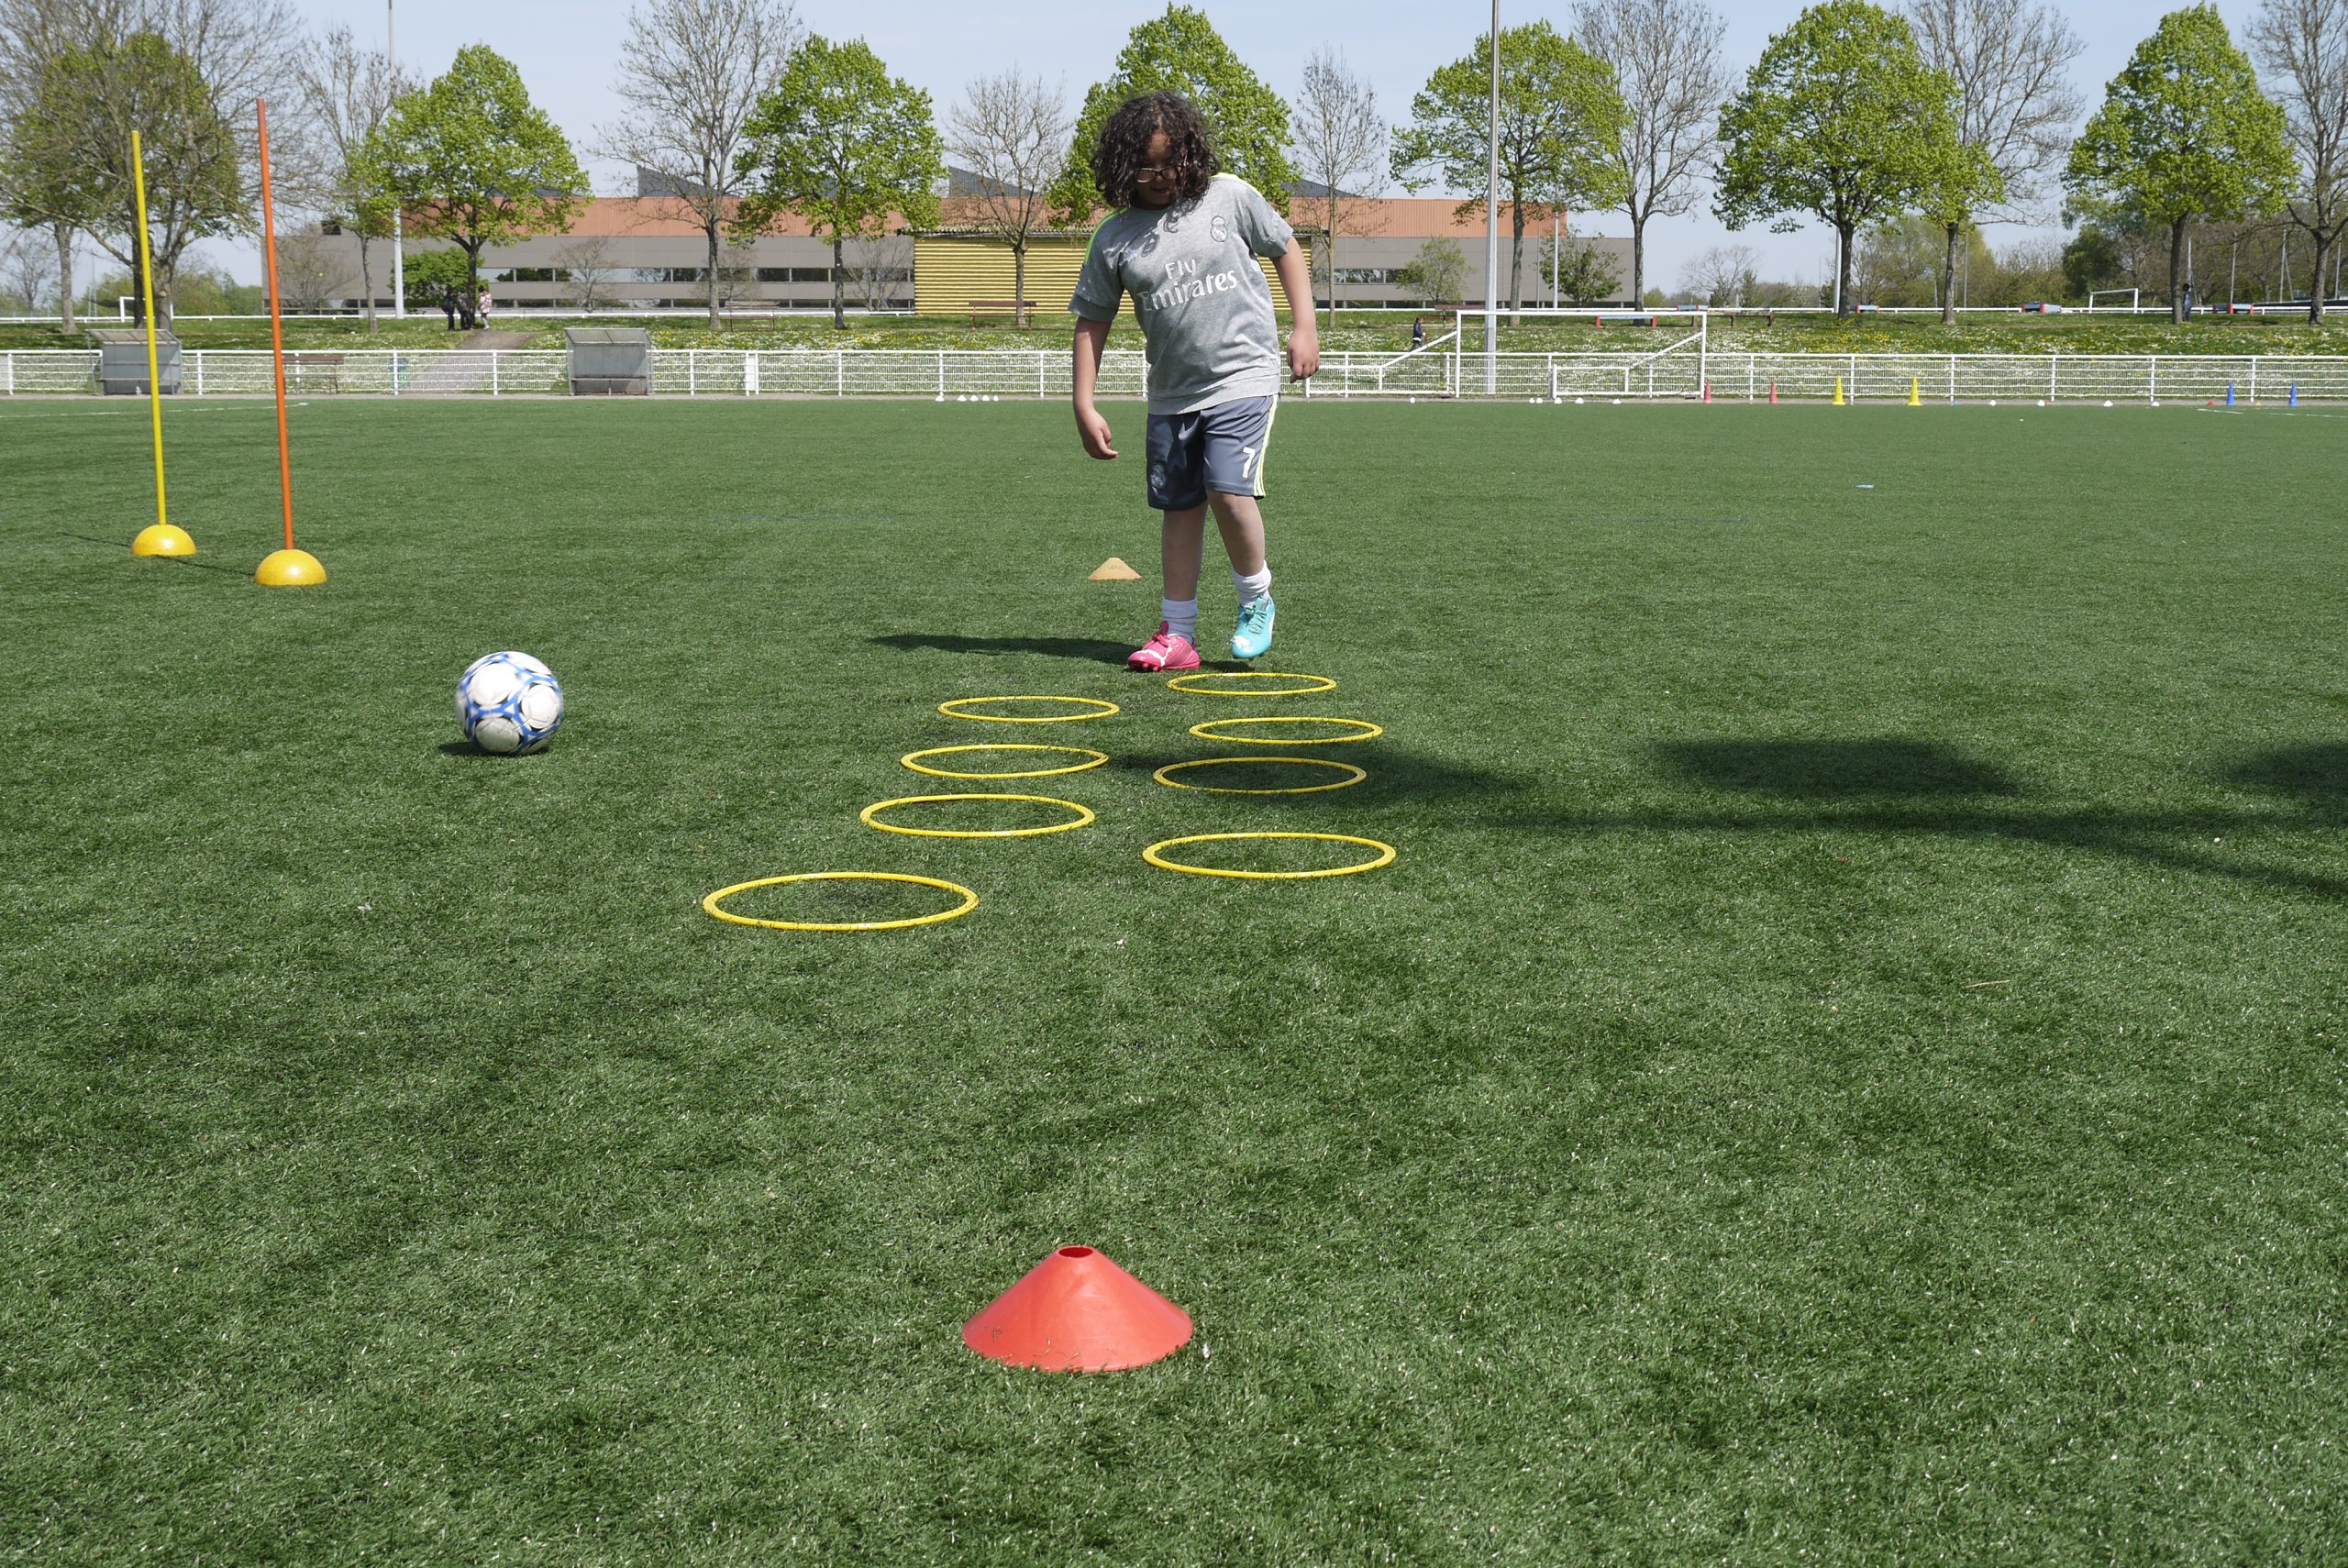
x=288, y=567
x=276, y=325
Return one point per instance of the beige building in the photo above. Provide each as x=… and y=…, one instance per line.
x=646, y=252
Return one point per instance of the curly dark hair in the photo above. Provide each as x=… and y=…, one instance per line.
x=1125, y=143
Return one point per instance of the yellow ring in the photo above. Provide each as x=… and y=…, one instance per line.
x=1386, y=854
x=1099, y=758
x=969, y=902
x=1359, y=774
x=1368, y=730
x=1327, y=684
x=870, y=819
x=1105, y=709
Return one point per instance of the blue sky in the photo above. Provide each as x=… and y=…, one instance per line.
x=566, y=49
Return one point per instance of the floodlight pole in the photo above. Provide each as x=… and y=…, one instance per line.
x=399, y=219
x=1492, y=226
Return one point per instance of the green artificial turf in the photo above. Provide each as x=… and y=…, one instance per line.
x=1846, y=1066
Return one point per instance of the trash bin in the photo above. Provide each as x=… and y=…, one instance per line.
x=121, y=363
x=609, y=361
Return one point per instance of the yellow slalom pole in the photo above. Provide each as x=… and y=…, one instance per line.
x=162, y=539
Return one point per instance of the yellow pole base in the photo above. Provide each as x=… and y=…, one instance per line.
x=290, y=569
x=162, y=539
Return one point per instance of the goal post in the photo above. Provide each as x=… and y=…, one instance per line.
x=1647, y=354
x=2095, y=294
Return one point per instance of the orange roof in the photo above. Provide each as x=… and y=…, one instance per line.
x=1399, y=217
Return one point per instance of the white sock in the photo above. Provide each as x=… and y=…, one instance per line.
x=1251, y=588
x=1181, y=617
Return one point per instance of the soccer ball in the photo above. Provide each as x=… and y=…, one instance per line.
x=508, y=704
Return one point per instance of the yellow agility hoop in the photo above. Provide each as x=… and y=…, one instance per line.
x=1100, y=710
x=969, y=902
x=871, y=817
x=911, y=760
x=1385, y=856
x=1368, y=730
x=1178, y=683
x=1359, y=774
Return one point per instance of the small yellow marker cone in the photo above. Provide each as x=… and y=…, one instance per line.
x=1838, y=392
x=1113, y=569
x=290, y=569
x=162, y=539
x=1915, y=392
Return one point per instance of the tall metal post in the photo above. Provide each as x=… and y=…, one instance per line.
x=1492, y=227
x=399, y=220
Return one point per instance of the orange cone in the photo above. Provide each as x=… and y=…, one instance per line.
x=1076, y=1311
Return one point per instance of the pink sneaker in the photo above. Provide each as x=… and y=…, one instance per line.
x=1164, y=651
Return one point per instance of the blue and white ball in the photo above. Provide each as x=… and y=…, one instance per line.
x=509, y=703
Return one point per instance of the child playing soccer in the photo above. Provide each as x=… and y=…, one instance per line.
x=1183, y=242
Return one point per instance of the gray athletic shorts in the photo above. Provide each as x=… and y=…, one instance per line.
x=1218, y=448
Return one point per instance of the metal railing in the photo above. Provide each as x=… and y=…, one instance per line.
x=940, y=375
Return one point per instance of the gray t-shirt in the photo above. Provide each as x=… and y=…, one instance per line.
x=1204, y=308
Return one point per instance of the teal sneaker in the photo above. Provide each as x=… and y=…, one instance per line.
x=1253, y=636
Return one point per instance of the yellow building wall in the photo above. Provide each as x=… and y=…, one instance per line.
x=952, y=270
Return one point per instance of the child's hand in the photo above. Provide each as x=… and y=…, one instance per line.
x=1303, y=351
x=1094, y=431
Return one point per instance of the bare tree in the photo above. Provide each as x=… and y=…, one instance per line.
x=880, y=264
x=27, y=269
x=586, y=264
x=1666, y=61
x=309, y=274
x=346, y=94
x=1011, y=134
x=2302, y=45
x=692, y=71
x=1340, y=145
x=2016, y=102
x=1722, y=275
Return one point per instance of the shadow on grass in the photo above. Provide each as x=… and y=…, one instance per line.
x=1090, y=650
x=1890, y=768
x=188, y=562
x=1912, y=787
x=2315, y=776
x=472, y=752
x=1394, y=776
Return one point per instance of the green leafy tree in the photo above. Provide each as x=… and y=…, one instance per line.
x=1586, y=272
x=843, y=143
x=472, y=160
x=1437, y=274
x=1840, y=120
x=1968, y=183
x=430, y=273
x=1181, y=52
x=67, y=160
x=1561, y=122
x=2184, y=135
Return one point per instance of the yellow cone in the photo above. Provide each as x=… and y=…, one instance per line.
x=162, y=539
x=290, y=569
x=1838, y=392
x=1115, y=569
x=1915, y=392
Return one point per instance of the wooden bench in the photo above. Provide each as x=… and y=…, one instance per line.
x=983, y=311
x=308, y=369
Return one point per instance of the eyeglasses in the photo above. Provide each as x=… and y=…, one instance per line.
x=1165, y=174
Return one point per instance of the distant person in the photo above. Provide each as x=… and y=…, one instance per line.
x=448, y=306
x=486, y=300
x=1184, y=242
x=1418, y=332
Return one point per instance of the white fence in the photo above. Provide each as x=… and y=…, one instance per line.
x=1428, y=373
